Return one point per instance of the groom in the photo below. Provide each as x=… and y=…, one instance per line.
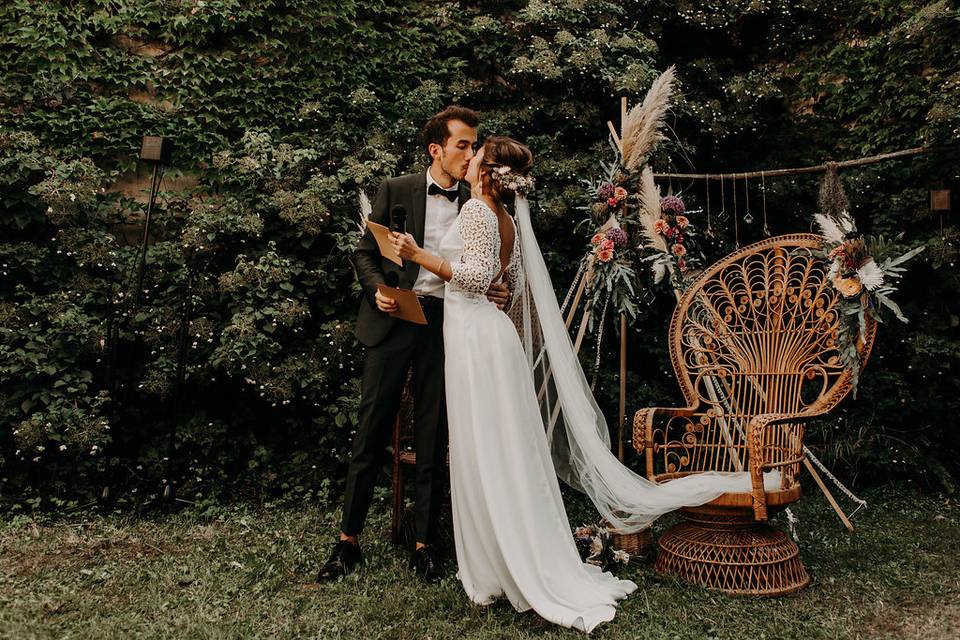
x=432, y=199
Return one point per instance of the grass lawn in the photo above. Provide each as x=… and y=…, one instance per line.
x=245, y=571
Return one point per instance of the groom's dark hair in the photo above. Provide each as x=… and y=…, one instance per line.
x=436, y=129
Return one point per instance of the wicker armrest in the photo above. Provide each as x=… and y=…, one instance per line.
x=759, y=462
x=643, y=429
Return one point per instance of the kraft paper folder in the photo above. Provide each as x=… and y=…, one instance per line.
x=408, y=307
x=382, y=235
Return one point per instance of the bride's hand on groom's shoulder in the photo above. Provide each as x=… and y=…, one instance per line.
x=406, y=246
x=499, y=294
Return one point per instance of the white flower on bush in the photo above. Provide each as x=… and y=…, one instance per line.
x=63, y=447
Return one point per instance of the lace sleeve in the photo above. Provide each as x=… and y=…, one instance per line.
x=479, y=262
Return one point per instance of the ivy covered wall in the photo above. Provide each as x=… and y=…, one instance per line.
x=282, y=110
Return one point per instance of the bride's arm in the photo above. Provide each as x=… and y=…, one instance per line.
x=478, y=263
x=408, y=249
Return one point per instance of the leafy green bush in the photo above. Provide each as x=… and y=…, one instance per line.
x=282, y=110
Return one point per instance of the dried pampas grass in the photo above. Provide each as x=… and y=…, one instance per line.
x=365, y=210
x=650, y=210
x=641, y=129
x=834, y=229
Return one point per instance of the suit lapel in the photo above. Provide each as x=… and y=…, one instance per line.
x=419, y=211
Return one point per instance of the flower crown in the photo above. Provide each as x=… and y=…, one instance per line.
x=510, y=179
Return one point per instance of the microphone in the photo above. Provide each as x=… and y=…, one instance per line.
x=398, y=218
x=398, y=223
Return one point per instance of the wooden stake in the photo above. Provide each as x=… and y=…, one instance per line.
x=576, y=349
x=623, y=111
x=583, y=329
x=584, y=283
x=826, y=492
x=616, y=138
x=623, y=382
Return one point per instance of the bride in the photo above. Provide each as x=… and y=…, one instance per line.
x=520, y=414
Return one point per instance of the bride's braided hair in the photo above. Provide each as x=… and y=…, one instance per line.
x=499, y=152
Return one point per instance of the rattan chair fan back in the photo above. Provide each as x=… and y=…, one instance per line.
x=755, y=345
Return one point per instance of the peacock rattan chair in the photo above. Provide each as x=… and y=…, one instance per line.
x=754, y=345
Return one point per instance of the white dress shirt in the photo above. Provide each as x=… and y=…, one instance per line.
x=439, y=215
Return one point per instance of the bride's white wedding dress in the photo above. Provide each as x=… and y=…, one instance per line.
x=509, y=443
x=511, y=531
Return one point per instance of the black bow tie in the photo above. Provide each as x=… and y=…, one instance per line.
x=437, y=190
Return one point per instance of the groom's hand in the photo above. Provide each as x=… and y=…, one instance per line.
x=499, y=294
x=385, y=304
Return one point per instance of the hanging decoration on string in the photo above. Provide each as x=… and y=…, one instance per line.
x=763, y=189
x=709, y=230
x=748, y=218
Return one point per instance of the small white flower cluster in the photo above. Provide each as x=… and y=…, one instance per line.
x=510, y=179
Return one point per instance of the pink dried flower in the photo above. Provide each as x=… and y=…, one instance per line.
x=661, y=226
x=683, y=222
x=596, y=239
x=605, y=255
x=620, y=193
x=679, y=250
x=613, y=202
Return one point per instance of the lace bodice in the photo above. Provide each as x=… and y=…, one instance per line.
x=472, y=246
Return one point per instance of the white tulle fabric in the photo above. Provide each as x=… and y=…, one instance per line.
x=511, y=531
x=576, y=429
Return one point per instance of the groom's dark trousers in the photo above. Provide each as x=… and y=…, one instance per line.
x=393, y=347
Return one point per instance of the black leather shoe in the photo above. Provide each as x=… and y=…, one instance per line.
x=345, y=557
x=424, y=565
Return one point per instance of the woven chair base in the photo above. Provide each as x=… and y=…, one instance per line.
x=743, y=558
x=638, y=545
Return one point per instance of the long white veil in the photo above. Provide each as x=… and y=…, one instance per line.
x=575, y=427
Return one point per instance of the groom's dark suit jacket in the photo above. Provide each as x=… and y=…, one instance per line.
x=411, y=191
